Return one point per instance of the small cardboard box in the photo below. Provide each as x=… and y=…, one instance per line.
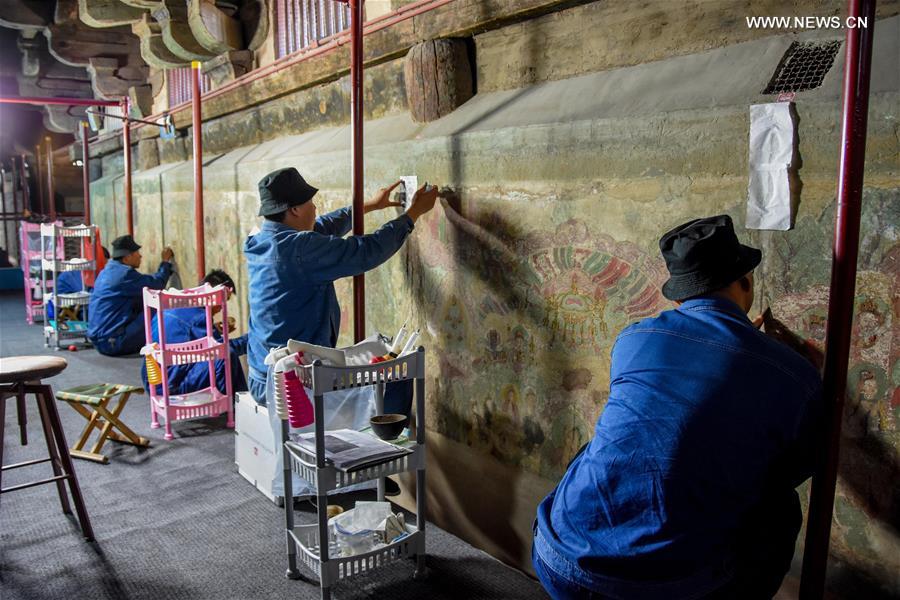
x=253, y=445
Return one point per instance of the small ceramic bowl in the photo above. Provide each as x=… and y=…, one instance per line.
x=388, y=427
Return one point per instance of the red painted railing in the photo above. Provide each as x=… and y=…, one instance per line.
x=304, y=23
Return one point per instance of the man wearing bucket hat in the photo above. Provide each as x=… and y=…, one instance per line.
x=293, y=263
x=687, y=489
x=296, y=257
x=115, y=311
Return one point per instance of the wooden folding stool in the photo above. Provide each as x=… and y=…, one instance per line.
x=100, y=415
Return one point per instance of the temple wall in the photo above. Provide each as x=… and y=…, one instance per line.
x=567, y=175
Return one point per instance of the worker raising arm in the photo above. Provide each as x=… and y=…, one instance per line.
x=296, y=257
x=115, y=315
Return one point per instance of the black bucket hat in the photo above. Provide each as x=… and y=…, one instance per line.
x=124, y=245
x=704, y=255
x=282, y=189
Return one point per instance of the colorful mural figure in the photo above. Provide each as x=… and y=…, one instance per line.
x=528, y=334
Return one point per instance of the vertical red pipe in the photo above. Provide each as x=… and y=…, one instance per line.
x=126, y=147
x=51, y=188
x=198, y=170
x=85, y=173
x=356, y=117
x=857, y=71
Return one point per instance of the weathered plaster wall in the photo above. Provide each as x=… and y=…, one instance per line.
x=603, y=35
x=523, y=284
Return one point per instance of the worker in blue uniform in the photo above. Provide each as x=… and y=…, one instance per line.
x=293, y=263
x=115, y=311
x=187, y=324
x=687, y=489
x=295, y=259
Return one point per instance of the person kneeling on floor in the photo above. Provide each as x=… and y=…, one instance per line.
x=186, y=324
x=687, y=489
x=115, y=311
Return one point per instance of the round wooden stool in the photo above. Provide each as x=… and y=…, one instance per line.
x=20, y=376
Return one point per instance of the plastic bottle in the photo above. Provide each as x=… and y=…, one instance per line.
x=398, y=341
x=410, y=343
x=299, y=408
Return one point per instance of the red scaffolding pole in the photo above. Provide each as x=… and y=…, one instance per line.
x=857, y=72
x=356, y=118
x=56, y=101
x=197, y=125
x=85, y=173
x=126, y=148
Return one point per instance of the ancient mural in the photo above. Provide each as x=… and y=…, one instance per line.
x=520, y=301
x=519, y=324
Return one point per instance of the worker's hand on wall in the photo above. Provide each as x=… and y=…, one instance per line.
x=779, y=331
x=382, y=199
x=167, y=254
x=422, y=202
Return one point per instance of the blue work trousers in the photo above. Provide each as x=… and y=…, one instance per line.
x=129, y=341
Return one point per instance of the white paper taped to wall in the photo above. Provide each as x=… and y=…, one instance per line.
x=771, y=152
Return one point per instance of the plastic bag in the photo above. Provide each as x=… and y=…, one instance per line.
x=368, y=526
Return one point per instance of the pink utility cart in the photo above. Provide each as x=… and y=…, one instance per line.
x=30, y=261
x=208, y=402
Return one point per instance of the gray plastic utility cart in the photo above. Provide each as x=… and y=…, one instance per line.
x=303, y=541
x=70, y=320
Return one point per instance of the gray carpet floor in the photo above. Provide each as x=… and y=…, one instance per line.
x=176, y=520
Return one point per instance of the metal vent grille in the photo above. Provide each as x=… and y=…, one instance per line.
x=803, y=67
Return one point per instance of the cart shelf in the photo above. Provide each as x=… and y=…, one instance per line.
x=333, y=569
x=195, y=351
x=60, y=266
x=329, y=478
x=208, y=402
x=73, y=299
x=193, y=297
x=74, y=231
x=303, y=540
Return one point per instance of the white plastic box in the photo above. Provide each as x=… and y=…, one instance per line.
x=253, y=445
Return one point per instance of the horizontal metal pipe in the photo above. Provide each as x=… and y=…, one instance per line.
x=121, y=118
x=56, y=101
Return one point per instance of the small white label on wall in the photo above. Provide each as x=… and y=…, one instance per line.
x=769, y=201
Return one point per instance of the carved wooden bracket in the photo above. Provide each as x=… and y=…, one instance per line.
x=227, y=67
x=177, y=34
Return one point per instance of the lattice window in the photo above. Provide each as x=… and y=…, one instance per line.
x=112, y=124
x=303, y=23
x=179, y=85
x=803, y=67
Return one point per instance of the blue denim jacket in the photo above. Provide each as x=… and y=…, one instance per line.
x=705, y=414
x=117, y=298
x=292, y=276
x=184, y=325
x=69, y=282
